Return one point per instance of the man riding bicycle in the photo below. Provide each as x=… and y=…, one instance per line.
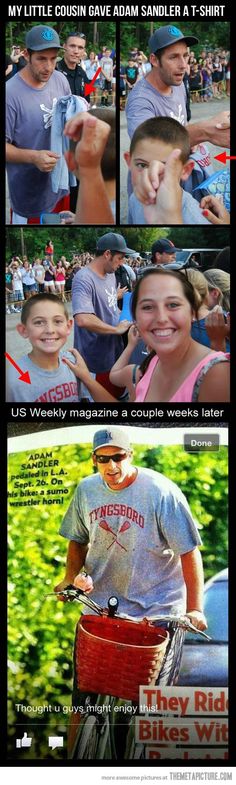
x=132, y=530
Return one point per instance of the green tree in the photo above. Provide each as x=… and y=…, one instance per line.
x=96, y=34
x=210, y=36
x=69, y=240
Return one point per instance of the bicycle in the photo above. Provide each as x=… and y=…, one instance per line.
x=113, y=681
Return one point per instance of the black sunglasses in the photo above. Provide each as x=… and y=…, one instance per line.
x=117, y=457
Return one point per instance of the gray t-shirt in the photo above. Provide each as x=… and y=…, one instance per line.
x=47, y=386
x=28, y=125
x=136, y=538
x=191, y=211
x=98, y=296
x=144, y=102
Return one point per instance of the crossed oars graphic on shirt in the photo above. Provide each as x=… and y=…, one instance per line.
x=104, y=525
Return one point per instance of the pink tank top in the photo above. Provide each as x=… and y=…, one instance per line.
x=188, y=391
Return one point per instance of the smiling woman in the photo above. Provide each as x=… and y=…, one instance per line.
x=164, y=305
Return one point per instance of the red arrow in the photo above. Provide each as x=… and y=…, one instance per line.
x=24, y=376
x=89, y=87
x=222, y=158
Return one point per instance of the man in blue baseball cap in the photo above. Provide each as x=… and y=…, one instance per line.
x=162, y=93
x=31, y=96
x=164, y=253
x=167, y=36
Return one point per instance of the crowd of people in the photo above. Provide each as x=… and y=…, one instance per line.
x=206, y=76
x=169, y=342
x=24, y=279
x=209, y=75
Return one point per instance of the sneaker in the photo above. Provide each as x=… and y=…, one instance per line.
x=8, y=310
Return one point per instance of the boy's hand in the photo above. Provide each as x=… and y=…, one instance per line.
x=214, y=210
x=148, y=181
x=133, y=336
x=168, y=204
x=91, y=135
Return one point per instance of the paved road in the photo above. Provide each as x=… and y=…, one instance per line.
x=199, y=112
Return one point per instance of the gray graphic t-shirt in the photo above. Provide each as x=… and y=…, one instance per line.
x=144, y=102
x=98, y=296
x=136, y=538
x=47, y=386
x=28, y=125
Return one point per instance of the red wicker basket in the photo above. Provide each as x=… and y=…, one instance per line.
x=115, y=656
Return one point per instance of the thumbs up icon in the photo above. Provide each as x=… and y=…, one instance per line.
x=25, y=742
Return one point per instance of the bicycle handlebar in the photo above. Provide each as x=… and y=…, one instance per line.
x=71, y=594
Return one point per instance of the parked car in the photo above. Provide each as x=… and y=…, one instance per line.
x=199, y=258
x=205, y=663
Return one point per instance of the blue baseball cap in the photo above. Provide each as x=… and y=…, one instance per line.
x=164, y=246
x=168, y=35
x=111, y=241
x=42, y=37
x=114, y=437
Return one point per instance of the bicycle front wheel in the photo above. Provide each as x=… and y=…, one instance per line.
x=87, y=740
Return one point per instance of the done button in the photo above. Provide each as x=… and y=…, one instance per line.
x=201, y=442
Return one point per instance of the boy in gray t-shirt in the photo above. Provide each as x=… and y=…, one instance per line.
x=44, y=375
x=152, y=174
